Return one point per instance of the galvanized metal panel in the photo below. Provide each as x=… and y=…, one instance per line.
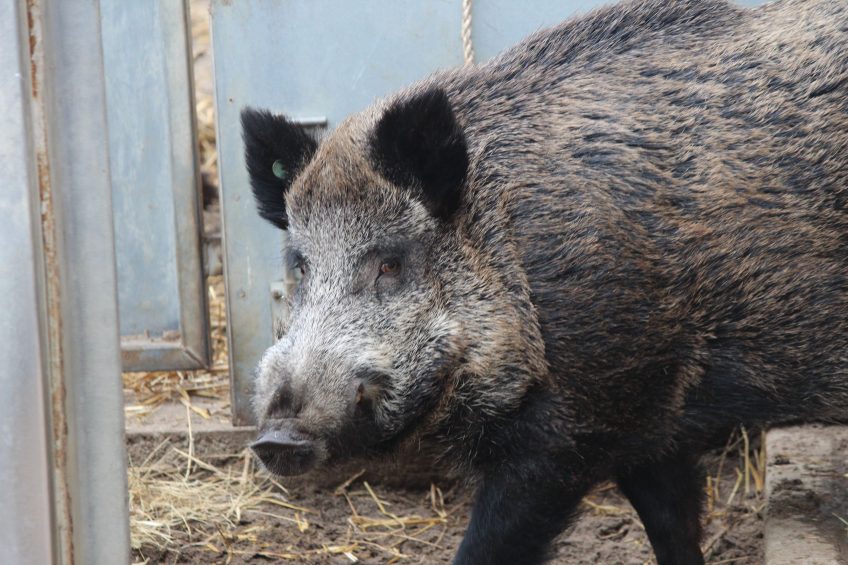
x=26, y=528
x=325, y=58
x=154, y=170
x=76, y=359
x=498, y=24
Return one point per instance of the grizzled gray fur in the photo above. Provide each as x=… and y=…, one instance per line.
x=588, y=259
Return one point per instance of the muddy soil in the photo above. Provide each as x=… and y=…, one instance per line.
x=348, y=526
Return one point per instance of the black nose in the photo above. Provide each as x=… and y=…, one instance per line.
x=284, y=452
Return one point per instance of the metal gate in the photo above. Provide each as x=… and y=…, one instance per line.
x=155, y=183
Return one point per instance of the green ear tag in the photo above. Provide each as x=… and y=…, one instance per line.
x=278, y=170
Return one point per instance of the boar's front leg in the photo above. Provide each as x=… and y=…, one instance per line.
x=668, y=494
x=519, y=509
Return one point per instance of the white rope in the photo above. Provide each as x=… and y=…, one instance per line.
x=467, y=45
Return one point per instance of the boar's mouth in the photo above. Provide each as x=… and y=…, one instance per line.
x=285, y=453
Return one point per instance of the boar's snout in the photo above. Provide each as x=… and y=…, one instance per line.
x=288, y=400
x=285, y=452
x=316, y=405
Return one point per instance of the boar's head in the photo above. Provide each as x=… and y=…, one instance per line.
x=387, y=284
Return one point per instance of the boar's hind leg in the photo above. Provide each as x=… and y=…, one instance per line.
x=518, y=511
x=668, y=494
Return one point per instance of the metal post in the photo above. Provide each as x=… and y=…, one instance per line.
x=62, y=457
x=25, y=510
x=155, y=177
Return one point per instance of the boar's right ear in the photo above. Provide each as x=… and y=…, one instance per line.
x=418, y=144
x=275, y=150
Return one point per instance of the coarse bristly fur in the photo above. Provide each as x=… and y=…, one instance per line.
x=588, y=259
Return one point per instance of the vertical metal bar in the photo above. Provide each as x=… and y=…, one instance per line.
x=25, y=509
x=155, y=183
x=86, y=403
x=251, y=248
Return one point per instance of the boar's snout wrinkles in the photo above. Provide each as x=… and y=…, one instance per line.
x=588, y=259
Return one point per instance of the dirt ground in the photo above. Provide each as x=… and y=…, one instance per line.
x=808, y=495
x=358, y=522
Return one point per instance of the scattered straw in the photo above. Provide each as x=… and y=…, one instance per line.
x=215, y=509
x=204, y=106
x=708, y=548
x=749, y=473
x=148, y=390
x=843, y=520
x=604, y=509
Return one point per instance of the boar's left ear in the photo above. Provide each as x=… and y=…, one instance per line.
x=417, y=143
x=275, y=150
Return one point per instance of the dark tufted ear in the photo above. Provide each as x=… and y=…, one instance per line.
x=275, y=150
x=418, y=144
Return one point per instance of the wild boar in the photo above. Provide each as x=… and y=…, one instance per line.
x=587, y=259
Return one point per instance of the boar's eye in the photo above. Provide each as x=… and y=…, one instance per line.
x=389, y=267
x=297, y=264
